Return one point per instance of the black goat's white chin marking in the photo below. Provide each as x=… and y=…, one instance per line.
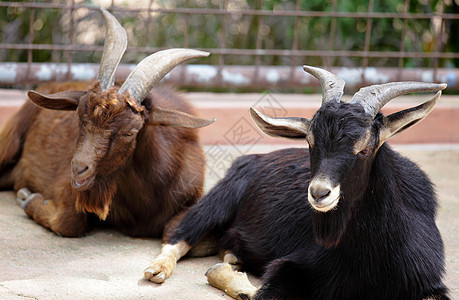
x=327, y=202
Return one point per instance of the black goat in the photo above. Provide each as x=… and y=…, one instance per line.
x=368, y=231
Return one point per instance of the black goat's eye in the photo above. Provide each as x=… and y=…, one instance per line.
x=364, y=151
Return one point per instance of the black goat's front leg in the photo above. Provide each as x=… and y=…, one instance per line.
x=283, y=279
x=164, y=264
x=62, y=219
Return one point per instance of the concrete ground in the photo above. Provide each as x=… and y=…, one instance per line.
x=104, y=264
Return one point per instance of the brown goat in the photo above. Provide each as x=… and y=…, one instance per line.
x=129, y=154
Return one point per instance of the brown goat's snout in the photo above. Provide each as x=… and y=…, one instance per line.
x=82, y=174
x=79, y=168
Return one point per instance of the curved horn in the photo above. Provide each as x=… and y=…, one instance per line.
x=374, y=97
x=153, y=68
x=332, y=85
x=114, y=47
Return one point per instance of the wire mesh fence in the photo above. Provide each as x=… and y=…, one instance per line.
x=260, y=43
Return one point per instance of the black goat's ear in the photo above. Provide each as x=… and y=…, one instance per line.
x=67, y=100
x=399, y=121
x=165, y=117
x=290, y=128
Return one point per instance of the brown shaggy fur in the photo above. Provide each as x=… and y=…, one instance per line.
x=144, y=174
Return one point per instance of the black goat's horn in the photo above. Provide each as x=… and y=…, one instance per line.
x=332, y=85
x=374, y=97
x=153, y=68
x=114, y=47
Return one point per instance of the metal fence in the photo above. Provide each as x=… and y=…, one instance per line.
x=273, y=48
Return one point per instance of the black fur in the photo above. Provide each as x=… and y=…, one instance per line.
x=380, y=242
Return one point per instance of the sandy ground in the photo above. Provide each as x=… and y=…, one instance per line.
x=104, y=264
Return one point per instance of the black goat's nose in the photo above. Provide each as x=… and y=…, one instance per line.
x=319, y=192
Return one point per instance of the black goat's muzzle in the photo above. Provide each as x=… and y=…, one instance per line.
x=322, y=195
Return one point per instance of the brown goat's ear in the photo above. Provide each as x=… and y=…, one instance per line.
x=67, y=100
x=399, y=121
x=165, y=117
x=290, y=128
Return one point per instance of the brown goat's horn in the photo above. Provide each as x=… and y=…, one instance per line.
x=332, y=85
x=153, y=68
x=374, y=97
x=114, y=47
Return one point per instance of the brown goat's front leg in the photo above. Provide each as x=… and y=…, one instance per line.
x=62, y=220
x=236, y=284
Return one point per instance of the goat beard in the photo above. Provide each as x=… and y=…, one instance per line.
x=98, y=198
x=330, y=227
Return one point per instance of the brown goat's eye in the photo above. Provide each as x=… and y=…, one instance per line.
x=130, y=133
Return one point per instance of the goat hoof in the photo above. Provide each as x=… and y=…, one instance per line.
x=160, y=269
x=222, y=274
x=23, y=193
x=236, y=284
x=216, y=270
x=23, y=197
x=232, y=259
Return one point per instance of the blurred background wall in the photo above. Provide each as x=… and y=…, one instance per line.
x=254, y=45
